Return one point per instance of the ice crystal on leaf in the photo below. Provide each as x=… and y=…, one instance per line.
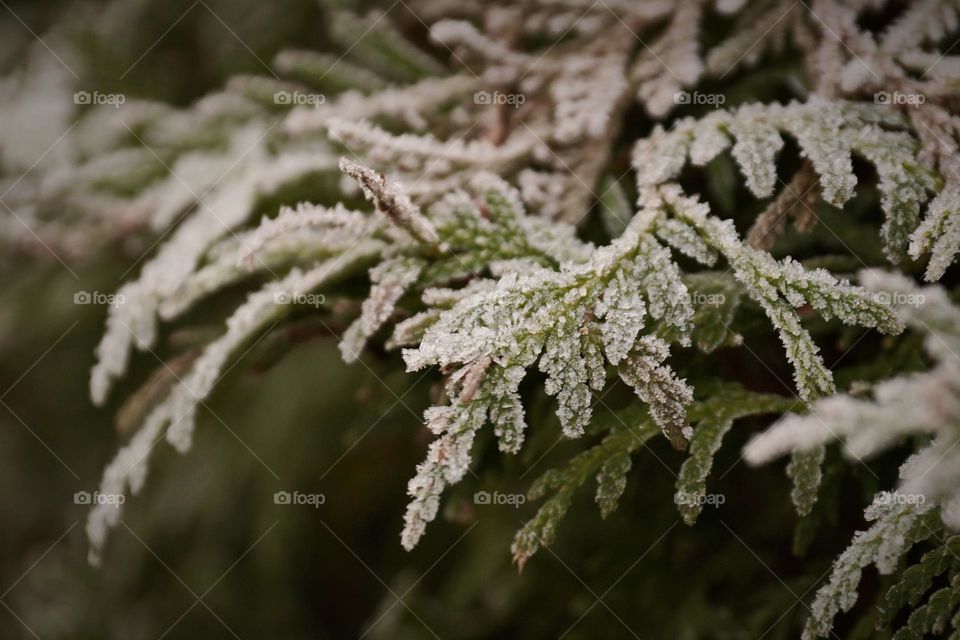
x=545, y=311
x=868, y=426
x=925, y=403
x=546, y=316
x=779, y=287
x=939, y=234
x=896, y=527
x=829, y=135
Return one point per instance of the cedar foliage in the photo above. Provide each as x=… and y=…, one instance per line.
x=542, y=201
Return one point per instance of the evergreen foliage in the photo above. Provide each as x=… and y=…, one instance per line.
x=540, y=201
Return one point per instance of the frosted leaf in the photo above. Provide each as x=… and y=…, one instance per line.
x=831, y=297
x=923, y=22
x=756, y=148
x=129, y=465
x=928, y=399
x=592, y=349
x=412, y=104
x=623, y=310
x=903, y=186
x=667, y=295
x=492, y=232
x=445, y=298
x=882, y=544
x=567, y=379
x=779, y=286
x=461, y=33
x=685, y=239
x=677, y=49
x=420, y=153
x=950, y=512
x=446, y=459
x=291, y=220
x=759, y=28
x=322, y=70
x=659, y=387
x=36, y=108
x=543, y=302
x=826, y=130
x=305, y=234
x=824, y=141
x=939, y=234
x=561, y=317
x=586, y=96
x=391, y=200
x=544, y=191
x=410, y=332
x=709, y=140
x=932, y=472
x=390, y=280
x=805, y=472
x=555, y=239
x=176, y=415
x=228, y=206
x=506, y=411
x=660, y=157
x=612, y=481
x=503, y=203
x=379, y=45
